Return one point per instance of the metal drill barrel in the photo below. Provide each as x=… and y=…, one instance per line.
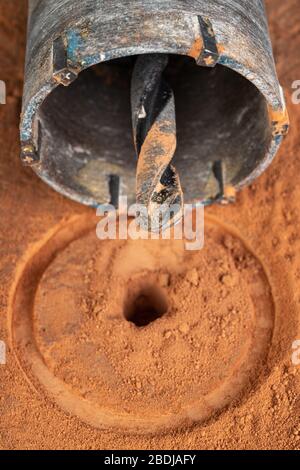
x=154, y=127
x=76, y=126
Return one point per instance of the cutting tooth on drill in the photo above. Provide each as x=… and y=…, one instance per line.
x=114, y=189
x=62, y=73
x=154, y=127
x=30, y=151
x=209, y=56
x=227, y=193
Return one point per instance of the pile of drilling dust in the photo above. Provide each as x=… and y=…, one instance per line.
x=144, y=328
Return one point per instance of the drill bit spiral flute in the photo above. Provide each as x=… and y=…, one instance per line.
x=154, y=125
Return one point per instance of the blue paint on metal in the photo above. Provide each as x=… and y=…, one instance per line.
x=278, y=139
x=228, y=62
x=74, y=44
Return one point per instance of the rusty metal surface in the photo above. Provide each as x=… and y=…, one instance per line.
x=234, y=111
x=154, y=128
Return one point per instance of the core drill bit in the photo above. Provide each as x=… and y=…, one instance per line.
x=154, y=128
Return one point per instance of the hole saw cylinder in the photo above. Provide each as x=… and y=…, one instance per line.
x=162, y=101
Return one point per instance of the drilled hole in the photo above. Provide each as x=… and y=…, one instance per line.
x=145, y=304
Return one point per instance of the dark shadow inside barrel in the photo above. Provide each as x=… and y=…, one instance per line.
x=86, y=135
